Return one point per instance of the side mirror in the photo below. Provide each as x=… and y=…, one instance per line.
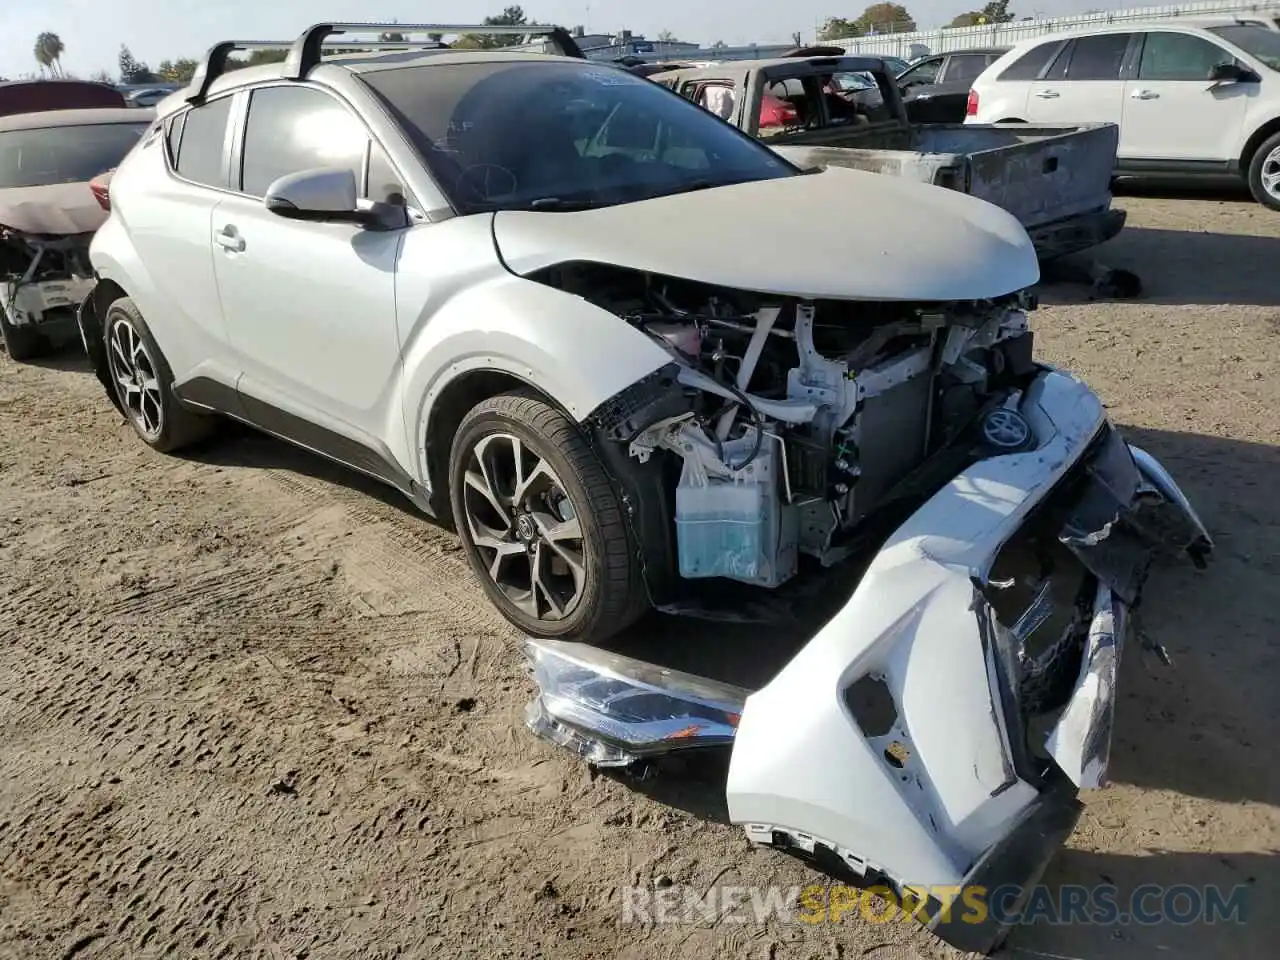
x=323, y=195
x=1230, y=72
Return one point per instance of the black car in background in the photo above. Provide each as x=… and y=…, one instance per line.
x=936, y=88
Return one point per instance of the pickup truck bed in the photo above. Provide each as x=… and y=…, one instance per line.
x=1056, y=179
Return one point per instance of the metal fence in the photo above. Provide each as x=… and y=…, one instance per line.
x=908, y=45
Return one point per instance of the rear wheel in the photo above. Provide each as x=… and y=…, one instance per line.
x=21, y=343
x=1264, y=173
x=143, y=382
x=541, y=523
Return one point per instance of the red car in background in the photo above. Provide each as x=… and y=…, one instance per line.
x=36, y=96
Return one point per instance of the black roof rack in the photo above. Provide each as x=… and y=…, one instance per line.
x=305, y=52
x=214, y=63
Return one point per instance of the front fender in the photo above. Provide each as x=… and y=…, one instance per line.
x=573, y=351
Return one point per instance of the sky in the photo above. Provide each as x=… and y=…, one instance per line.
x=155, y=30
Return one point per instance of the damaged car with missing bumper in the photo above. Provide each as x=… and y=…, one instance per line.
x=49, y=210
x=635, y=355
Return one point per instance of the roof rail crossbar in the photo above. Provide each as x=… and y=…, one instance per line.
x=306, y=51
x=214, y=63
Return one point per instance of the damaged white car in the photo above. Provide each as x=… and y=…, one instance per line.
x=49, y=210
x=634, y=354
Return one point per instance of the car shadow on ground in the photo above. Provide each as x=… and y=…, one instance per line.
x=236, y=445
x=1179, y=905
x=1176, y=267
x=1204, y=727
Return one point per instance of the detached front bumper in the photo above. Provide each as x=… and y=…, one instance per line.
x=935, y=732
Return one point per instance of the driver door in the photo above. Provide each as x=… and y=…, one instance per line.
x=309, y=307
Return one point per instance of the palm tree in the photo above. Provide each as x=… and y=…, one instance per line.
x=48, y=53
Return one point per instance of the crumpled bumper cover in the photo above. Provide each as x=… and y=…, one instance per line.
x=954, y=788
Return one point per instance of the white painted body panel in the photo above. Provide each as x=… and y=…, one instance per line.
x=816, y=236
x=310, y=315
x=925, y=823
x=156, y=246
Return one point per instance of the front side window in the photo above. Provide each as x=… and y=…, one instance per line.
x=1029, y=65
x=294, y=128
x=555, y=136
x=1092, y=58
x=922, y=74
x=204, y=131
x=44, y=156
x=1256, y=41
x=1179, y=56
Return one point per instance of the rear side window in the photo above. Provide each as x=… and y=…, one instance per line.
x=966, y=67
x=200, y=150
x=1179, y=56
x=1029, y=65
x=1092, y=58
x=296, y=128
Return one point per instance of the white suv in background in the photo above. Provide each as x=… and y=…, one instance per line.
x=1191, y=97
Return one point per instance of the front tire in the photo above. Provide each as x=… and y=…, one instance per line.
x=143, y=383
x=21, y=343
x=541, y=523
x=1264, y=173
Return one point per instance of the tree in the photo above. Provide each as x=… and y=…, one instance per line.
x=837, y=28
x=885, y=18
x=258, y=57
x=133, y=70
x=48, y=53
x=392, y=37
x=666, y=36
x=510, y=17
x=177, y=71
x=997, y=12
x=101, y=76
x=719, y=45
x=970, y=19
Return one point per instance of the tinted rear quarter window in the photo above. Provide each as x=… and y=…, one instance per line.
x=200, y=151
x=1029, y=65
x=966, y=67
x=298, y=128
x=1092, y=58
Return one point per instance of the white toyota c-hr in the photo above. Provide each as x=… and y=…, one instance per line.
x=630, y=350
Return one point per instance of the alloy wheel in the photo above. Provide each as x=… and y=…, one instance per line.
x=1270, y=173
x=525, y=527
x=134, y=371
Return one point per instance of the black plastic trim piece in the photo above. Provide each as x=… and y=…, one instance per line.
x=209, y=394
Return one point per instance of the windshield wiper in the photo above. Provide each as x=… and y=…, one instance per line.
x=560, y=204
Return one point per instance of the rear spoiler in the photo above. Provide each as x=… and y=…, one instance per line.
x=307, y=50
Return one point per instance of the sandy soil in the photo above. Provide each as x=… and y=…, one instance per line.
x=253, y=706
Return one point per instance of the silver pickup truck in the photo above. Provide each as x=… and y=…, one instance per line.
x=1055, y=179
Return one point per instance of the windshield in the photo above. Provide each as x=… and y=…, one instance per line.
x=555, y=135
x=1258, y=41
x=49, y=155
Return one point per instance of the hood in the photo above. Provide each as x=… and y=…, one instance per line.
x=61, y=209
x=838, y=234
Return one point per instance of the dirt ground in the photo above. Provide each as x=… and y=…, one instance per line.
x=252, y=706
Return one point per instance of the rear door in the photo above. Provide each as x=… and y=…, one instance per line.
x=1084, y=83
x=168, y=216
x=1172, y=110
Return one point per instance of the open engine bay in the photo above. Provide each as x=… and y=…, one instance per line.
x=787, y=425
x=43, y=279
